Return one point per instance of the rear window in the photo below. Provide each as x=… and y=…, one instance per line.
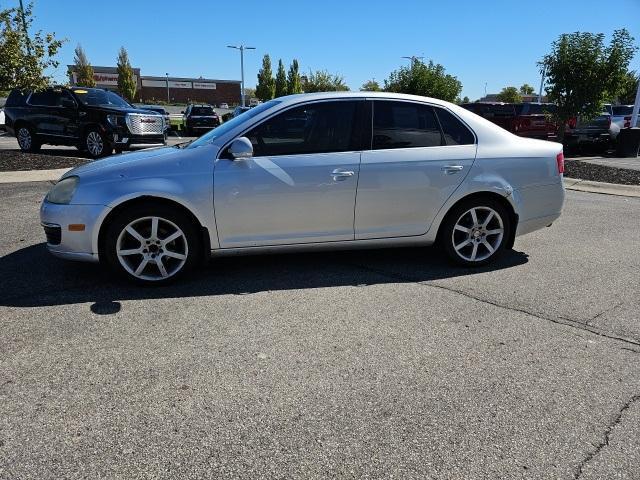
x=16, y=98
x=538, y=109
x=622, y=109
x=202, y=111
x=489, y=110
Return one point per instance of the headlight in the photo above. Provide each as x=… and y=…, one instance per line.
x=114, y=120
x=63, y=191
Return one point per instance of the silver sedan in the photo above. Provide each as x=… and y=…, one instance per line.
x=329, y=170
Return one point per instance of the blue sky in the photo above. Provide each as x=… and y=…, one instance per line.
x=497, y=42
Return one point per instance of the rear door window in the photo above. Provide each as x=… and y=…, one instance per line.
x=404, y=125
x=455, y=132
x=46, y=98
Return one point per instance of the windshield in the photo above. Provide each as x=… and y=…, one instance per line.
x=100, y=98
x=231, y=124
x=623, y=110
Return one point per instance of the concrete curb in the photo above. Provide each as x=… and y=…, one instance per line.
x=602, y=187
x=23, y=176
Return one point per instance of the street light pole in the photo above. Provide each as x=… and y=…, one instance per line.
x=168, y=101
x=242, y=48
x=413, y=58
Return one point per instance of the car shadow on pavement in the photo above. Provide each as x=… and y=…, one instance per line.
x=33, y=278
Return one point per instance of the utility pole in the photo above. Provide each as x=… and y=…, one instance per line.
x=242, y=48
x=636, y=108
x=544, y=72
x=24, y=27
x=168, y=101
x=413, y=58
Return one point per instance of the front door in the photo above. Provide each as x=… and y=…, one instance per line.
x=300, y=185
x=419, y=156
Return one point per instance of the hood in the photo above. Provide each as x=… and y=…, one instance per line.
x=129, y=159
x=121, y=110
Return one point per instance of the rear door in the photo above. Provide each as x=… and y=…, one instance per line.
x=419, y=155
x=42, y=112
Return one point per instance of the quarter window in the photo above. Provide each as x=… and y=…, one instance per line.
x=315, y=128
x=455, y=132
x=404, y=125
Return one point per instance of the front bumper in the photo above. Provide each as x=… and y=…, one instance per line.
x=72, y=245
x=126, y=141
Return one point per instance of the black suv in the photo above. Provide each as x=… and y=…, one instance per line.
x=94, y=120
x=199, y=119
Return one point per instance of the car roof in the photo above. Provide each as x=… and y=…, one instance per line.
x=337, y=95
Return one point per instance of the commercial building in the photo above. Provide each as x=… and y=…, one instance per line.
x=171, y=89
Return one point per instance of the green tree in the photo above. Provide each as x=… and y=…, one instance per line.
x=370, y=86
x=294, y=83
x=266, y=87
x=24, y=59
x=126, y=82
x=627, y=94
x=465, y=99
x=84, y=70
x=582, y=72
x=323, y=81
x=526, y=89
x=426, y=79
x=510, y=95
x=281, y=80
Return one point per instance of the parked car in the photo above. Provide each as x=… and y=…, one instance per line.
x=591, y=135
x=199, y=119
x=240, y=110
x=94, y=120
x=162, y=111
x=284, y=176
x=2, y=125
x=224, y=105
x=530, y=120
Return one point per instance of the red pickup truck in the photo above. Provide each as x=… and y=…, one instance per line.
x=530, y=120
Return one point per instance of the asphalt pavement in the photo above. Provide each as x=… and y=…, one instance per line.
x=374, y=364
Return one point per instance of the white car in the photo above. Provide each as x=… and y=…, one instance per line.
x=2, y=125
x=224, y=105
x=315, y=171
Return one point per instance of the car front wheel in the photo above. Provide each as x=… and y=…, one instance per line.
x=27, y=140
x=96, y=144
x=151, y=244
x=475, y=232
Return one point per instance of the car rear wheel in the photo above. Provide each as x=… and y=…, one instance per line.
x=152, y=244
x=96, y=144
x=27, y=140
x=475, y=232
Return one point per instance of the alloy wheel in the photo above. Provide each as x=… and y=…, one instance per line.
x=152, y=248
x=477, y=234
x=95, y=144
x=24, y=138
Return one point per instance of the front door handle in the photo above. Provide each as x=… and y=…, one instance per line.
x=451, y=169
x=339, y=174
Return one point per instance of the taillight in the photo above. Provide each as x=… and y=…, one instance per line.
x=560, y=162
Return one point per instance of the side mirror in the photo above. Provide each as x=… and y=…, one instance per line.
x=241, y=149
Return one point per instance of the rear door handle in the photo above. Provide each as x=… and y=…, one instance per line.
x=339, y=174
x=451, y=169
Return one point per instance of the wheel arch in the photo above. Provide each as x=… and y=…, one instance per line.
x=513, y=216
x=203, y=232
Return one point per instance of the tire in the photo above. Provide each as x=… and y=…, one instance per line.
x=159, y=268
x=470, y=242
x=27, y=140
x=96, y=144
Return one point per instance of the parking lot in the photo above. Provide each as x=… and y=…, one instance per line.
x=354, y=364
